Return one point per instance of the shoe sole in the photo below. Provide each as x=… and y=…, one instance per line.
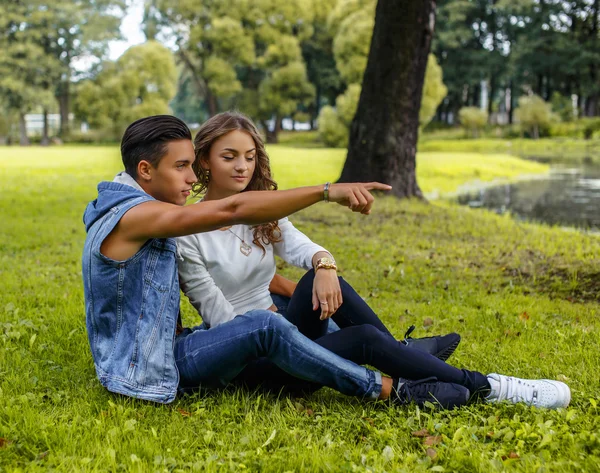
x=447, y=351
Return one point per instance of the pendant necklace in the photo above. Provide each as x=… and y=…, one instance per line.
x=245, y=248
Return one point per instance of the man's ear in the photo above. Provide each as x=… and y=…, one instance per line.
x=204, y=164
x=144, y=170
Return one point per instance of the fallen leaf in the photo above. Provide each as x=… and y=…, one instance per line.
x=524, y=316
x=310, y=412
x=431, y=453
x=4, y=442
x=370, y=421
x=184, y=413
x=512, y=333
x=43, y=455
x=420, y=433
x=511, y=455
x=490, y=435
x=432, y=440
x=427, y=322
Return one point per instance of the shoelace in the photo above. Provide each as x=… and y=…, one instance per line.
x=407, y=334
x=411, y=390
x=409, y=331
x=518, y=390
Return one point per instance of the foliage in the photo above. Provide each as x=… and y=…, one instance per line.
x=434, y=91
x=334, y=123
x=533, y=113
x=563, y=107
x=516, y=47
x=246, y=55
x=520, y=304
x=140, y=83
x=332, y=131
x=472, y=119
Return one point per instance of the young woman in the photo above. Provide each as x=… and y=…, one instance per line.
x=227, y=272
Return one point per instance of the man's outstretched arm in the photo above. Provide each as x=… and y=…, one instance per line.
x=162, y=220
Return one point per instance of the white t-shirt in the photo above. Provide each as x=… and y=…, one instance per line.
x=221, y=282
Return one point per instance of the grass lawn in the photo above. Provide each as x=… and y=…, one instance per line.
x=525, y=298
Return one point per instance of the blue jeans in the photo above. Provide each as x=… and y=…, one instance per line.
x=364, y=339
x=236, y=350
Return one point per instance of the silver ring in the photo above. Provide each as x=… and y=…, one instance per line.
x=324, y=303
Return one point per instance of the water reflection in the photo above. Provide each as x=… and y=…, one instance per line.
x=565, y=197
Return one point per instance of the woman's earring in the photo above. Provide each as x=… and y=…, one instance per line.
x=208, y=174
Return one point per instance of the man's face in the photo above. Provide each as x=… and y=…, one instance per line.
x=171, y=181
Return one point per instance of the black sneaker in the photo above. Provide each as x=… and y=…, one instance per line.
x=440, y=346
x=444, y=395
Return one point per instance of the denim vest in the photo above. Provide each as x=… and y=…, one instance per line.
x=132, y=305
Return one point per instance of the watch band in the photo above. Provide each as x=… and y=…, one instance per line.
x=325, y=263
x=326, y=191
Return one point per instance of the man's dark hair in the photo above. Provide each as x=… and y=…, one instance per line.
x=147, y=139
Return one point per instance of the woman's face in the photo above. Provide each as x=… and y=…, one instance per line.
x=231, y=162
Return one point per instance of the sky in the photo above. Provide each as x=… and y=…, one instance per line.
x=130, y=29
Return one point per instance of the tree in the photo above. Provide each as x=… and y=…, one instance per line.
x=317, y=52
x=76, y=30
x=352, y=23
x=334, y=123
x=25, y=68
x=384, y=131
x=245, y=54
x=140, y=83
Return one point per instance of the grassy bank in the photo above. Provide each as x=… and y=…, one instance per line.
x=573, y=151
x=525, y=299
x=437, y=173
x=550, y=150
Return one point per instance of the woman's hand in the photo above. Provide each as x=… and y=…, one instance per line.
x=326, y=292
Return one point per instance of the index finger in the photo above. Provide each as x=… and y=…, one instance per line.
x=377, y=186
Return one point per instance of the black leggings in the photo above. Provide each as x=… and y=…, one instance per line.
x=363, y=339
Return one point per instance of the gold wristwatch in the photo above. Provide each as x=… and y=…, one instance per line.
x=325, y=263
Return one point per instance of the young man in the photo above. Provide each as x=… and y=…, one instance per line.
x=132, y=292
x=131, y=289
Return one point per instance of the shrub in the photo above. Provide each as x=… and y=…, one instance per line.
x=534, y=114
x=332, y=131
x=563, y=107
x=473, y=119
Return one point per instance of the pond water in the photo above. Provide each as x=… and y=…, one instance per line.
x=565, y=197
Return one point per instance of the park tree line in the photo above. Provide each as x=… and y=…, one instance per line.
x=547, y=48
x=297, y=59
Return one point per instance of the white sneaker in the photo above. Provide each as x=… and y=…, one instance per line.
x=533, y=392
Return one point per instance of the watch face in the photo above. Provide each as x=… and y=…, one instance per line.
x=325, y=261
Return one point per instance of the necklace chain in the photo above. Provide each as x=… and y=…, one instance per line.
x=245, y=248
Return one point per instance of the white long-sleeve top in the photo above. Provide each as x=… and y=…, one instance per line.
x=221, y=282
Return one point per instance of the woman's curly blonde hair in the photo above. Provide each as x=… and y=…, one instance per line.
x=261, y=180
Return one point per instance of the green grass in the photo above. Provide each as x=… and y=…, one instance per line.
x=525, y=298
x=437, y=173
x=550, y=150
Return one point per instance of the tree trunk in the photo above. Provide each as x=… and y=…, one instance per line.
x=491, y=93
x=212, y=103
x=23, y=138
x=511, y=108
x=45, y=139
x=384, y=131
x=64, y=104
